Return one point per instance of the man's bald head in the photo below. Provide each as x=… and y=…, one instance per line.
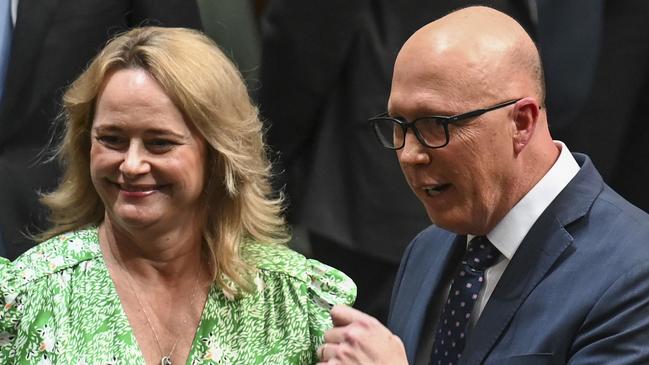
x=477, y=49
x=475, y=59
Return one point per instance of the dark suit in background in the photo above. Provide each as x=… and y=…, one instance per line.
x=596, y=56
x=326, y=68
x=575, y=289
x=53, y=40
x=233, y=26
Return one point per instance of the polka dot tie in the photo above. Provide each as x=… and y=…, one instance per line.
x=465, y=287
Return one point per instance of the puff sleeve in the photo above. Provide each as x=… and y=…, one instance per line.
x=327, y=287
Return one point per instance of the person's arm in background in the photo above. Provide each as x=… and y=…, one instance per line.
x=304, y=48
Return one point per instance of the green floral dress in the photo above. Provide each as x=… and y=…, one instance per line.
x=59, y=306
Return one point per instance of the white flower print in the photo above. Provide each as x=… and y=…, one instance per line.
x=75, y=245
x=55, y=262
x=48, y=340
x=45, y=361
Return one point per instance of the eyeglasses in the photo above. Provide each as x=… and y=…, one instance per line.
x=431, y=131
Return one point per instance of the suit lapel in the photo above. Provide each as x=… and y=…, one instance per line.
x=421, y=285
x=32, y=24
x=538, y=252
x=532, y=260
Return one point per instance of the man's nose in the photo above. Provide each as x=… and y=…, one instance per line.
x=413, y=151
x=135, y=160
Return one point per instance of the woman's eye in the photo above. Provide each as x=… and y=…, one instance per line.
x=161, y=144
x=111, y=141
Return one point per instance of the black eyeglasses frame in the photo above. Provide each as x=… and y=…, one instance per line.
x=445, y=120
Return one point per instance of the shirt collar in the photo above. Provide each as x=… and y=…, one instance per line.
x=512, y=229
x=14, y=11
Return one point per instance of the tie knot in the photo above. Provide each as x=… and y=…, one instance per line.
x=480, y=254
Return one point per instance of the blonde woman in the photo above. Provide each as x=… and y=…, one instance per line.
x=165, y=246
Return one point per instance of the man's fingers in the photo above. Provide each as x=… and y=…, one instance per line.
x=326, y=352
x=342, y=315
x=335, y=335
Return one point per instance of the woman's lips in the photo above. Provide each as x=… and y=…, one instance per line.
x=137, y=191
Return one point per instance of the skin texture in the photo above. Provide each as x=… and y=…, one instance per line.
x=473, y=58
x=351, y=340
x=146, y=163
x=148, y=166
x=453, y=66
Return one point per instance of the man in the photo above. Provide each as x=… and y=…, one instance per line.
x=326, y=66
x=51, y=43
x=558, y=271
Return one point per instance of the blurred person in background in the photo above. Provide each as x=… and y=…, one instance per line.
x=233, y=25
x=50, y=42
x=326, y=68
x=596, y=56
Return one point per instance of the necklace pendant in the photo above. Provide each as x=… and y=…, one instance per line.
x=165, y=361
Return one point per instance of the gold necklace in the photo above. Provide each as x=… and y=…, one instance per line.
x=166, y=359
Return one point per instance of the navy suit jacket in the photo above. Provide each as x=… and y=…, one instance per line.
x=576, y=291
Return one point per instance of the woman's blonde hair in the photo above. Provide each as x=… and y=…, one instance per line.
x=208, y=89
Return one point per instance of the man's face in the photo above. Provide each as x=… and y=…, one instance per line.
x=463, y=186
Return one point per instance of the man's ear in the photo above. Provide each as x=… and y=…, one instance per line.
x=526, y=113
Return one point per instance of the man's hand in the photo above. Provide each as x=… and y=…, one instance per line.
x=358, y=338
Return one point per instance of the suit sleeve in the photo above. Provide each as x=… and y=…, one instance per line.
x=398, y=278
x=616, y=331
x=305, y=45
x=167, y=13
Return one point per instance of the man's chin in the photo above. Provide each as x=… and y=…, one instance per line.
x=449, y=222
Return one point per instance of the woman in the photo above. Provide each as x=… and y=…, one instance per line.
x=165, y=247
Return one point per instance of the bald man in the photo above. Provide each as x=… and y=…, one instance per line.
x=531, y=258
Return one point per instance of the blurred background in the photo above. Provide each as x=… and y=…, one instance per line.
x=318, y=71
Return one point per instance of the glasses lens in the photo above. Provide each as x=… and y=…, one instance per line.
x=389, y=132
x=432, y=131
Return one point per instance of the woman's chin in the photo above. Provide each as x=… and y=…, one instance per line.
x=135, y=220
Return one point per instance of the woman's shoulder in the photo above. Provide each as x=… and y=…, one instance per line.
x=50, y=257
x=275, y=258
x=322, y=282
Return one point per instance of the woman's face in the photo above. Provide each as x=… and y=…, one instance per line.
x=146, y=163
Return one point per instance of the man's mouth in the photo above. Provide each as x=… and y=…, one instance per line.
x=436, y=189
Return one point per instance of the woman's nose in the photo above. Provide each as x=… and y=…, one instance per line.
x=135, y=160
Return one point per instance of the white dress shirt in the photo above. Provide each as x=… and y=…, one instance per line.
x=14, y=11
x=512, y=229
x=506, y=237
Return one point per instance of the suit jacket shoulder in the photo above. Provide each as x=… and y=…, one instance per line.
x=575, y=291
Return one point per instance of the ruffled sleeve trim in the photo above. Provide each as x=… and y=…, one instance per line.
x=324, y=283
x=330, y=286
